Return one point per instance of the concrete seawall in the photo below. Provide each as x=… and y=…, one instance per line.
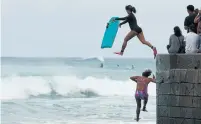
x=178, y=89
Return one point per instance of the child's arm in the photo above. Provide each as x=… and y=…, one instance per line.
x=153, y=79
x=134, y=78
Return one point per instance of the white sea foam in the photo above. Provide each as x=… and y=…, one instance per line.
x=22, y=87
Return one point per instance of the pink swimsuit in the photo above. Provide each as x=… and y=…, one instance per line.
x=142, y=94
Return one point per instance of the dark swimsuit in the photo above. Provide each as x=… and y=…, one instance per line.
x=131, y=19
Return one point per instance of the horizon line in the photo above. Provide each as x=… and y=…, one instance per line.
x=73, y=57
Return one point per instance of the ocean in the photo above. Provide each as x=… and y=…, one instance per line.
x=73, y=91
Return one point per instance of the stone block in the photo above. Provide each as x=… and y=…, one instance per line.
x=157, y=87
x=183, y=73
x=192, y=76
x=177, y=74
x=175, y=89
x=197, y=102
x=186, y=101
x=196, y=122
x=172, y=75
x=163, y=120
x=165, y=62
x=186, y=112
x=163, y=88
x=178, y=61
x=197, y=89
x=189, y=61
x=173, y=100
x=187, y=121
x=199, y=76
x=170, y=100
x=162, y=62
x=162, y=77
x=163, y=100
x=181, y=121
x=197, y=113
x=163, y=111
x=186, y=89
x=174, y=112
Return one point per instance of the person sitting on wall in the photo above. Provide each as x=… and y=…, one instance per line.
x=176, y=42
x=192, y=40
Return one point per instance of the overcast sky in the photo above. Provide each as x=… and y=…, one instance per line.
x=68, y=28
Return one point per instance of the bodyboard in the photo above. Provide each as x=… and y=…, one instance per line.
x=110, y=33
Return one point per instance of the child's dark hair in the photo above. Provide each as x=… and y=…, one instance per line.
x=147, y=73
x=131, y=8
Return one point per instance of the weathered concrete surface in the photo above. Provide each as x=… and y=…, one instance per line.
x=182, y=61
x=178, y=89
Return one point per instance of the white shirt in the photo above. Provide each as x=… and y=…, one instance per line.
x=191, y=40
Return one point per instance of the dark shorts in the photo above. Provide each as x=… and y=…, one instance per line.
x=137, y=29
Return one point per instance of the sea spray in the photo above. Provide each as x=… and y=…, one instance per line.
x=22, y=87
